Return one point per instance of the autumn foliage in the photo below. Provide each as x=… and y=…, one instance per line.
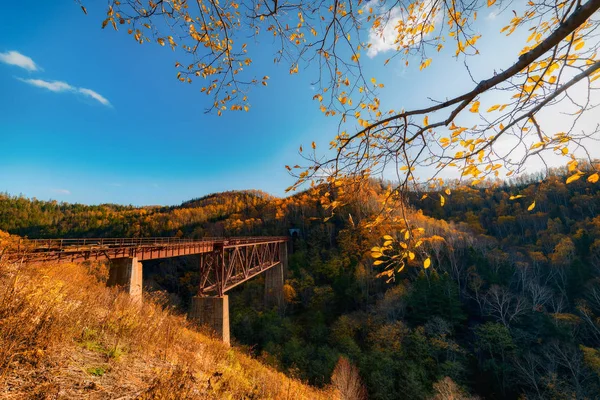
x=63, y=333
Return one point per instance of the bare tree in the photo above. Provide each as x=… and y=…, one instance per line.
x=557, y=304
x=539, y=295
x=571, y=360
x=447, y=389
x=346, y=380
x=529, y=368
x=503, y=305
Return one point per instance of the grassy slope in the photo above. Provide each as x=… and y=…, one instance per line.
x=64, y=335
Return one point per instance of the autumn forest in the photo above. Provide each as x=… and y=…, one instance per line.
x=427, y=224
x=508, y=307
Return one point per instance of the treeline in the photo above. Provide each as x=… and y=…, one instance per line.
x=509, y=308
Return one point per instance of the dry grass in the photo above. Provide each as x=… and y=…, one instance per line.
x=64, y=335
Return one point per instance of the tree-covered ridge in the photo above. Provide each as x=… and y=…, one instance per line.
x=35, y=218
x=510, y=305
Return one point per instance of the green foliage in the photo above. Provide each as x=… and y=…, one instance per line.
x=96, y=371
x=433, y=295
x=508, y=308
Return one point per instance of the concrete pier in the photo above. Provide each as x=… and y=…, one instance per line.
x=274, y=286
x=275, y=279
x=212, y=312
x=127, y=273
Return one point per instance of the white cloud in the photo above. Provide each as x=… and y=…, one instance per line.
x=58, y=86
x=61, y=191
x=54, y=86
x=383, y=38
x=18, y=59
x=94, y=95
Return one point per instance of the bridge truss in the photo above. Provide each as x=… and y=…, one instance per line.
x=224, y=262
x=226, y=267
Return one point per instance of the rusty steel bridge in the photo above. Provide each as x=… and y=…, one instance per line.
x=224, y=262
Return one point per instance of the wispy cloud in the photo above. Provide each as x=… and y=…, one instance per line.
x=61, y=191
x=94, y=95
x=59, y=86
x=492, y=16
x=54, y=86
x=15, y=58
x=385, y=37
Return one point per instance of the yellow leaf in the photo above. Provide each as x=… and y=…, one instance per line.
x=314, y=146
x=579, y=44
x=388, y=237
x=426, y=121
x=425, y=64
x=516, y=197
x=378, y=262
x=442, y=200
x=536, y=145
x=427, y=263
x=411, y=255
x=491, y=2
x=475, y=107
x=373, y=81
x=493, y=108
x=376, y=254
x=572, y=165
x=448, y=192
x=573, y=178
x=531, y=206
x=593, y=178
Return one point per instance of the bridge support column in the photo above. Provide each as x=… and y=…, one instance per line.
x=212, y=312
x=127, y=273
x=274, y=280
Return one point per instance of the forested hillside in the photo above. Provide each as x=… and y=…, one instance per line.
x=510, y=306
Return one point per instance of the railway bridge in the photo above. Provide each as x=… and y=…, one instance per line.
x=224, y=263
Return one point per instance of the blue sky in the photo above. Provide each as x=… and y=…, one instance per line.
x=154, y=144
x=125, y=130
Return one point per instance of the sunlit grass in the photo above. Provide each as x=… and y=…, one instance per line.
x=60, y=328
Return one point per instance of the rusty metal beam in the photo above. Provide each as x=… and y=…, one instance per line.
x=75, y=250
x=224, y=262
x=221, y=271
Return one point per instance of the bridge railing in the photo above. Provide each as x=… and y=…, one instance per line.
x=38, y=245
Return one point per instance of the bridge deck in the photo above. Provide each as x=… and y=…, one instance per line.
x=74, y=250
